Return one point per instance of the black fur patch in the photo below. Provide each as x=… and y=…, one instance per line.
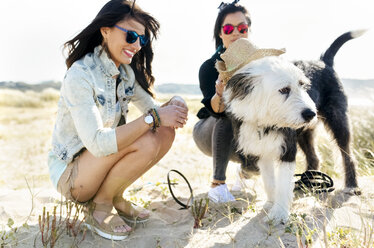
x=240, y=85
x=289, y=146
x=248, y=162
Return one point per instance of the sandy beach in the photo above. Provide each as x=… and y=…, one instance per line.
x=326, y=220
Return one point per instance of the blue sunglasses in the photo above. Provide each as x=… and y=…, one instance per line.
x=132, y=36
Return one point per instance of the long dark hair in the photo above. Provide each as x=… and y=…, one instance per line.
x=224, y=10
x=113, y=12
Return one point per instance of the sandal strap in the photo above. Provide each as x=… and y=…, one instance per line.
x=118, y=199
x=109, y=222
x=101, y=207
x=131, y=211
x=112, y=222
x=129, y=206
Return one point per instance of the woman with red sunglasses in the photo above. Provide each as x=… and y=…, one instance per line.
x=213, y=132
x=95, y=153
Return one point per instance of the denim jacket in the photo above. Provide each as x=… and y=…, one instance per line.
x=86, y=108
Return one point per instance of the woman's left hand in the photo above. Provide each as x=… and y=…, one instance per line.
x=177, y=101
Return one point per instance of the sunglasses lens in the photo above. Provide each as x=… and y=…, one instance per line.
x=243, y=28
x=228, y=29
x=131, y=37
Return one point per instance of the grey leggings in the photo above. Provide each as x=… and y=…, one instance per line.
x=214, y=137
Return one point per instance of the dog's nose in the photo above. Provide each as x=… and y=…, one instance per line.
x=308, y=114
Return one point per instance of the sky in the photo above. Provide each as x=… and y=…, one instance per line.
x=33, y=34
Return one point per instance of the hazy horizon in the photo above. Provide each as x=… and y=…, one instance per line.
x=371, y=80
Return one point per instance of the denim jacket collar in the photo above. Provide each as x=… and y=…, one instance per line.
x=108, y=66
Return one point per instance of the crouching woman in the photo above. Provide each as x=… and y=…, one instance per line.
x=95, y=154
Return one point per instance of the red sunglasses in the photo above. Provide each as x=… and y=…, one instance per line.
x=229, y=28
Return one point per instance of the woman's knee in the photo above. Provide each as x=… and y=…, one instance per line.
x=203, y=129
x=166, y=135
x=165, y=138
x=202, y=135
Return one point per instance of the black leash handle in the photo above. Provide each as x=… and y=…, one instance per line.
x=184, y=206
x=316, y=181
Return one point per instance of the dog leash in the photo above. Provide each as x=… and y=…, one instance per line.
x=314, y=181
x=190, y=200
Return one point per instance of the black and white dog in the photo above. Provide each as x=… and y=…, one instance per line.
x=274, y=105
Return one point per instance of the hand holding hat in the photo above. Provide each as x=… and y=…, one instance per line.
x=240, y=53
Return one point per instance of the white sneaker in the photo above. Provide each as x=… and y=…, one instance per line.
x=220, y=194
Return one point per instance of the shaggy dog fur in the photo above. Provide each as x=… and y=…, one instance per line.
x=274, y=105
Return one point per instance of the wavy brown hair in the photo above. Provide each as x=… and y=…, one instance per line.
x=113, y=12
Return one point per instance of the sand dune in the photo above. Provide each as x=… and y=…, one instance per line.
x=25, y=140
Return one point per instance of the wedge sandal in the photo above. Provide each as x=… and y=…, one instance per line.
x=106, y=227
x=133, y=214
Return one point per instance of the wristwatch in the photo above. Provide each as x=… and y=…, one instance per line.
x=148, y=119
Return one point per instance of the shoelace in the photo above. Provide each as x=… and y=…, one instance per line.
x=314, y=181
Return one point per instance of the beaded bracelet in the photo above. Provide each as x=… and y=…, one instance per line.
x=158, y=121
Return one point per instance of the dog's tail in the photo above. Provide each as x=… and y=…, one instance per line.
x=328, y=56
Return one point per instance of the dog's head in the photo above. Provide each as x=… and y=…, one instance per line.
x=270, y=92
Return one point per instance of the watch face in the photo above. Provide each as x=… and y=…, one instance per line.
x=148, y=119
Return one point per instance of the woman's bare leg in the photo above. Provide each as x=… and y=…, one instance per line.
x=103, y=178
x=164, y=148
x=147, y=153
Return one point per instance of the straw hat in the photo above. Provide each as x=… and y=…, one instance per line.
x=240, y=53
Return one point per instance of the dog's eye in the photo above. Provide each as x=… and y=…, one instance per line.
x=301, y=83
x=285, y=90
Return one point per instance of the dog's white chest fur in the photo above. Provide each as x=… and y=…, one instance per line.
x=253, y=141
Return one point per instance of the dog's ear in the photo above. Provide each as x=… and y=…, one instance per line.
x=240, y=85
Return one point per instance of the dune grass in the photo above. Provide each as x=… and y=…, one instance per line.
x=26, y=125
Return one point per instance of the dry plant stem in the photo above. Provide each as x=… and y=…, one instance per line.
x=198, y=211
x=49, y=234
x=281, y=243
x=325, y=232
x=52, y=227
x=73, y=227
x=41, y=224
x=368, y=233
x=32, y=201
x=53, y=230
x=299, y=242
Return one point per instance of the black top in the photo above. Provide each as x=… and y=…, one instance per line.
x=208, y=76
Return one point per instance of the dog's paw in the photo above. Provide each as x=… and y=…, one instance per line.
x=352, y=191
x=277, y=215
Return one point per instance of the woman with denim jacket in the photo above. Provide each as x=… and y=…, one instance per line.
x=213, y=133
x=95, y=154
